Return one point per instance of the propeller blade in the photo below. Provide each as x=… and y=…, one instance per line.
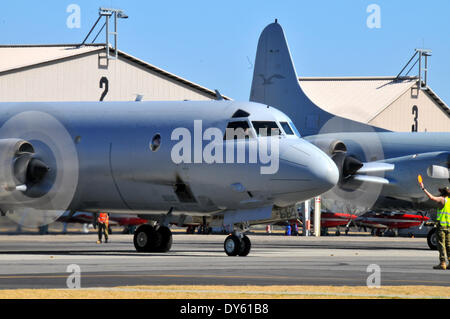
x=375, y=167
x=22, y=188
x=370, y=179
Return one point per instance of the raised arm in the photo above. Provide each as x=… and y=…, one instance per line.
x=438, y=199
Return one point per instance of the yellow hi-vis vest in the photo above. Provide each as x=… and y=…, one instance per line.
x=443, y=214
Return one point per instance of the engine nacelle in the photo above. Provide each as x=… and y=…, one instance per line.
x=329, y=145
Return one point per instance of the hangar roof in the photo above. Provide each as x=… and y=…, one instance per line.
x=16, y=57
x=20, y=56
x=360, y=98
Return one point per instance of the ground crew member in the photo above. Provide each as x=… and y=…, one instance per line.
x=295, y=229
x=443, y=224
x=288, y=230
x=103, y=224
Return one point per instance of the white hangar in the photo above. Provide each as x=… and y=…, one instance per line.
x=84, y=73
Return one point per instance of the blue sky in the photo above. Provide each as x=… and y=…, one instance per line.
x=213, y=43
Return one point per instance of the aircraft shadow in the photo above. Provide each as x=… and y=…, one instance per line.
x=114, y=253
x=324, y=246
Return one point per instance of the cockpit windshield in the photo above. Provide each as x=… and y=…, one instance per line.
x=294, y=129
x=266, y=128
x=286, y=128
x=237, y=130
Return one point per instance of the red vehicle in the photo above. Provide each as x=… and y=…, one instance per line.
x=382, y=222
x=128, y=221
x=328, y=220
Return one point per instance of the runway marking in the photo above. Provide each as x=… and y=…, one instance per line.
x=440, y=282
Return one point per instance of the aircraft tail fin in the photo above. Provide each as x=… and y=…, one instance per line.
x=275, y=83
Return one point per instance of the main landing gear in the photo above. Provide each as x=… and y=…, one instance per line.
x=152, y=239
x=237, y=245
x=432, y=239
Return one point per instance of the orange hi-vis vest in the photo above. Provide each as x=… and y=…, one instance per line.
x=103, y=218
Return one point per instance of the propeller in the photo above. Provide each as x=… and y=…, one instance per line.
x=361, y=171
x=347, y=165
x=38, y=168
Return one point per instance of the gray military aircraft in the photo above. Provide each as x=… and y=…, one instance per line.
x=378, y=169
x=159, y=160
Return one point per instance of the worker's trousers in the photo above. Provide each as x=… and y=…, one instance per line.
x=443, y=237
x=102, y=228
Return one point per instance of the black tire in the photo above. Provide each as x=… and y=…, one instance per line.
x=232, y=245
x=246, y=245
x=166, y=239
x=432, y=239
x=146, y=239
x=338, y=233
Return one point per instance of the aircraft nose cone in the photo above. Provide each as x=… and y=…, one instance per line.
x=324, y=171
x=305, y=172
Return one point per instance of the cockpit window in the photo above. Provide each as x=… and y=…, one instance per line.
x=240, y=113
x=266, y=128
x=294, y=129
x=286, y=128
x=237, y=130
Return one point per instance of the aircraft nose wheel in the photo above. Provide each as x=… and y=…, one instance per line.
x=235, y=246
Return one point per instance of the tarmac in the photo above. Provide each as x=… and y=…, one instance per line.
x=42, y=261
